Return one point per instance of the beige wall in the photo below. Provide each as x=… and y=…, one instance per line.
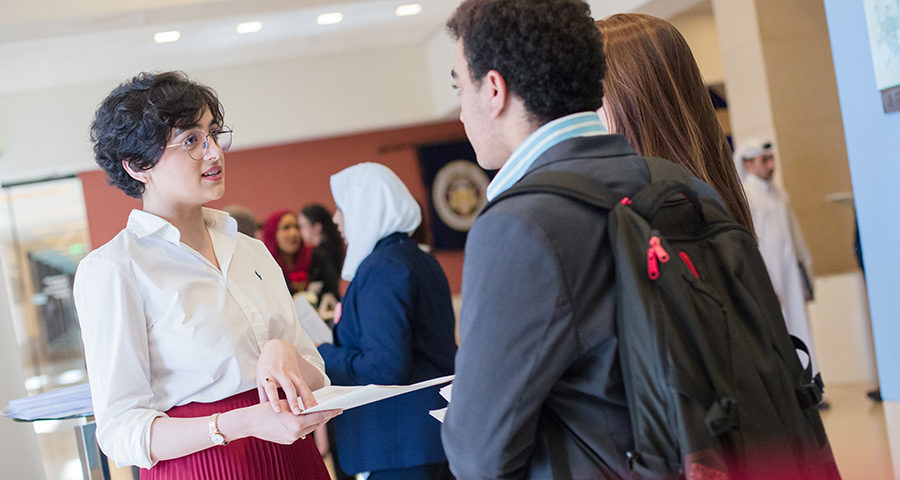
x=780, y=84
x=699, y=29
x=808, y=124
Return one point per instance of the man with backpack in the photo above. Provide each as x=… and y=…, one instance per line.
x=540, y=388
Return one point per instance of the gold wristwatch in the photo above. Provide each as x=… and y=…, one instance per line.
x=215, y=436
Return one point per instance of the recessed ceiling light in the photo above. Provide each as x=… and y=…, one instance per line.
x=249, y=27
x=411, y=9
x=166, y=37
x=330, y=18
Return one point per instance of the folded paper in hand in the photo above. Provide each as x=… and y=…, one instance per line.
x=345, y=398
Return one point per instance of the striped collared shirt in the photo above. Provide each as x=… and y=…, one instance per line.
x=584, y=124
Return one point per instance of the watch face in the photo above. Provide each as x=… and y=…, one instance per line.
x=217, y=438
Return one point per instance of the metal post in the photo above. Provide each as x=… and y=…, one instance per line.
x=94, y=464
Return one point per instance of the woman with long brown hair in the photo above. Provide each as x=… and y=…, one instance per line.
x=655, y=97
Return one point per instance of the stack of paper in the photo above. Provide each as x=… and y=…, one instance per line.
x=345, y=398
x=68, y=402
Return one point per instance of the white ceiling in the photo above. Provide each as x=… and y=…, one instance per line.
x=50, y=43
x=114, y=44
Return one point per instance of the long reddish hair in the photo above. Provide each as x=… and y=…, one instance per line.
x=656, y=98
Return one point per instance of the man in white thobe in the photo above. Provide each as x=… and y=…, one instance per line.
x=781, y=243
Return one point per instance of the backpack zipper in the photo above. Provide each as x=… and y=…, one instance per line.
x=655, y=254
x=687, y=261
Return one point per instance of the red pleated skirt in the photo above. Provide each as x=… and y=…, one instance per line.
x=245, y=459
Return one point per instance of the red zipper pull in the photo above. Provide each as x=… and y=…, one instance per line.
x=660, y=251
x=652, y=265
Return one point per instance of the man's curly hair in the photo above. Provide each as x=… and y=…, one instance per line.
x=134, y=122
x=549, y=52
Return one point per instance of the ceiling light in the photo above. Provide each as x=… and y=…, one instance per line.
x=166, y=37
x=249, y=27
x=330, y=18
x=411, y=9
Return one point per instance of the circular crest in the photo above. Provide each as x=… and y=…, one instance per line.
x=458, y=194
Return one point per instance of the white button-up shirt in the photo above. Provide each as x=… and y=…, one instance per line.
x=162, y=326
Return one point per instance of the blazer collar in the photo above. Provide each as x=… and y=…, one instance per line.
x=603, y=146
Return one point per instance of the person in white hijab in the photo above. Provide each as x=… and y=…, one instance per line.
x=373, y=203
x=396, y=327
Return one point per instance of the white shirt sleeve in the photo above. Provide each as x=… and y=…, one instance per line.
x=114, y=331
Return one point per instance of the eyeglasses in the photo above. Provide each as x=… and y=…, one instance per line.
x=196, y=143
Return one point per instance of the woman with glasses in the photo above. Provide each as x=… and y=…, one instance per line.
x=188, y=328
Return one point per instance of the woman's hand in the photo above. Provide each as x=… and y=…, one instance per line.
x=279, y=365
x=259, y=421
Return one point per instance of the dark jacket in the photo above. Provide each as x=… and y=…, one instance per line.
x=322, y=269
x=539, y=392
x=396, y=328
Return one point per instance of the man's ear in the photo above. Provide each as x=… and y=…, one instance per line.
x=139, y=175
x=494, y=85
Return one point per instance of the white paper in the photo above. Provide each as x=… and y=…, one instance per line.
x=311, y=322
x=64, y=402
x=439, y=414
x=446, y=391
x=345, y=398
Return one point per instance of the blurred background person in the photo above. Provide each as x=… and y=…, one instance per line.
x=655, y=97
x=318, y=229
x=320, y=232
x=281, y=234
x=246, y=221
x=396, y=327
x=780, y=240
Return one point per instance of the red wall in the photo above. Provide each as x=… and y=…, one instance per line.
x=290, y=176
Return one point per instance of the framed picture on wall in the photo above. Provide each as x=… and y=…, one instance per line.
x=883, y=22
x=456, y=191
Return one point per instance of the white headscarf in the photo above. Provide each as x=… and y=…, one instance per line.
x=375, y=204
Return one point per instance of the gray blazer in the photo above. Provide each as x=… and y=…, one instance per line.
x=538, y=390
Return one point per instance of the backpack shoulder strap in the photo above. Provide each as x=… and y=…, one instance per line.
x=574, y=186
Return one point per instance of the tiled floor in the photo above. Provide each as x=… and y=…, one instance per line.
x=858, y=433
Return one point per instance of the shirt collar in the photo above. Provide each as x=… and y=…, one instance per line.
x=143, y=224
x=583, y=124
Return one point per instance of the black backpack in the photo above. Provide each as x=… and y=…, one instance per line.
x=714, y=385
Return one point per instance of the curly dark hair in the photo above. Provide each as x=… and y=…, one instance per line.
x=548, y=51
x=134, y=122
